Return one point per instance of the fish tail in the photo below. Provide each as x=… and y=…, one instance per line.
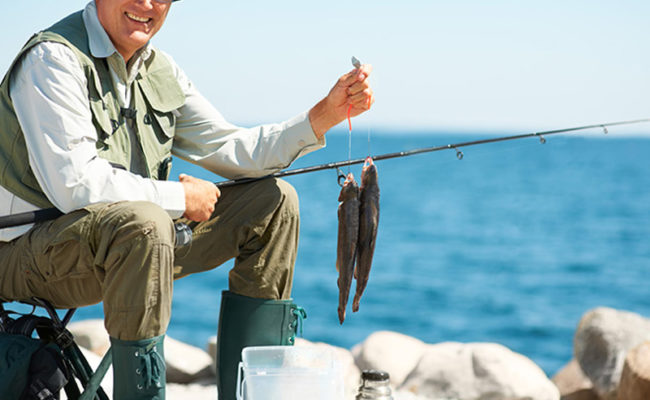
x=355, y=302
x=341, y=315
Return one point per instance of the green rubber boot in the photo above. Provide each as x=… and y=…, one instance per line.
x=138, y=369
x=245, y=321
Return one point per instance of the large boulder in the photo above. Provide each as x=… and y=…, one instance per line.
x=186, y=363
x=192, y=391
x=635, y=379
x=392, y=352
x=91, y=334
x=573, y=384
x=602, y=341
x=478, y=371
x=211, y=348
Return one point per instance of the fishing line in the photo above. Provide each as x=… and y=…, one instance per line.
x=47, y=214
x=369, y=153
x=357, y=65
x=349, y=137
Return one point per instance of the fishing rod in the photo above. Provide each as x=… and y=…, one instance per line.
x=456, y=146
x=52, y=213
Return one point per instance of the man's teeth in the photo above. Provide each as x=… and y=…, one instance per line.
x=136, y=18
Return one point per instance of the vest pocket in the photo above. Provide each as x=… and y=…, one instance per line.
x=166, y=121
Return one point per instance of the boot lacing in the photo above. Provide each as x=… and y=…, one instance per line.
x=300, y=315
x=152, y=366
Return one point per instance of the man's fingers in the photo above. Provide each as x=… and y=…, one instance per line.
x=358, y=87
x=362, y=100
x=200, y=197
x=366, y=69
x=356, y=75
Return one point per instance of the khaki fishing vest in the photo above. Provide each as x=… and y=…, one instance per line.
x=156, y=95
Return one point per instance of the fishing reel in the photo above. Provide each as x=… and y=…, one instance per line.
x=183, y=235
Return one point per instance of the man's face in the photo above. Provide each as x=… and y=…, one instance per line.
x=131, y=23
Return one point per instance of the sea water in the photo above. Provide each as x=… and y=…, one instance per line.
x=512, y=244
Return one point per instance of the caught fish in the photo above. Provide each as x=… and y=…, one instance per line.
x=346, y=248
x=368, y=222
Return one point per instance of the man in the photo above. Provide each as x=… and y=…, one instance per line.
x=90, y=113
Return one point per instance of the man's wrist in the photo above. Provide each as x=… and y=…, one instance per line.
x=323, y=118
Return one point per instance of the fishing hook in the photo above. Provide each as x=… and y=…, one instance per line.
x=542, y=139
x=340, y=177
x=604, y=129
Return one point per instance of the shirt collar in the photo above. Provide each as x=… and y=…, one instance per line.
x=99, y=42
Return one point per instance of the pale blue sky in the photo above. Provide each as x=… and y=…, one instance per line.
x=463, y=65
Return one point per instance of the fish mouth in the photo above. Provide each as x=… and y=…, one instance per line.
x=136, y=18
x=368, y=163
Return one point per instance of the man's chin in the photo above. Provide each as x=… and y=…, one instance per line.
x=139, y=39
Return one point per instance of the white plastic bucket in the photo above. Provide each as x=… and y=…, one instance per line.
x=289, y=373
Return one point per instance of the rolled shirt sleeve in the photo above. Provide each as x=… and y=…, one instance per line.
x=50, y=96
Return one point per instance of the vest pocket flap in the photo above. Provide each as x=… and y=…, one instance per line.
x=163, y=96
x=166, y=121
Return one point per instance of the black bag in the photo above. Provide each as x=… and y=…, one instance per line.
x=30, y=368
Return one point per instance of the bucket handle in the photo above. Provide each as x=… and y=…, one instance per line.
x=240, y=372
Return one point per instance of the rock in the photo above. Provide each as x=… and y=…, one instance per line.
x=602, y=340
x=212, y=351
x=194, y=391
x=478, y=371
x=351, y=372
x=573, y=384
x=392, y=352
x=635, y=379
x=91, y=334
x=186, y=363
x=403, y=395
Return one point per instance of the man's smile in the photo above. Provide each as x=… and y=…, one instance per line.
x=136, y=18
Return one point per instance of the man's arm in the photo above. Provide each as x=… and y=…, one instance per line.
x=49, y=92
x=205, y=138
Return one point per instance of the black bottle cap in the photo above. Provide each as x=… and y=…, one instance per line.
x=373, y=375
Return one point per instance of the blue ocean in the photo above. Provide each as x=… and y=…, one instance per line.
x=512, y=244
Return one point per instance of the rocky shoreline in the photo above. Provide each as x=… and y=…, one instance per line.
x=611, y=350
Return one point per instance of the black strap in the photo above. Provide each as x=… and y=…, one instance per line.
x=48, y=375
x=129, y=113
x=26, y=324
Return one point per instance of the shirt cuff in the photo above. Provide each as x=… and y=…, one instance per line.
x=171, y=197
x=300, y=134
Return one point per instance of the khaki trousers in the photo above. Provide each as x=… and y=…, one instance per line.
x=123, y=254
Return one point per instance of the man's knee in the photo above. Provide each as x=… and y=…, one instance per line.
x=289, y=197
x=134, y=221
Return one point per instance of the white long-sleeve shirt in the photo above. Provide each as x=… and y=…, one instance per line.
x=49, y=91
